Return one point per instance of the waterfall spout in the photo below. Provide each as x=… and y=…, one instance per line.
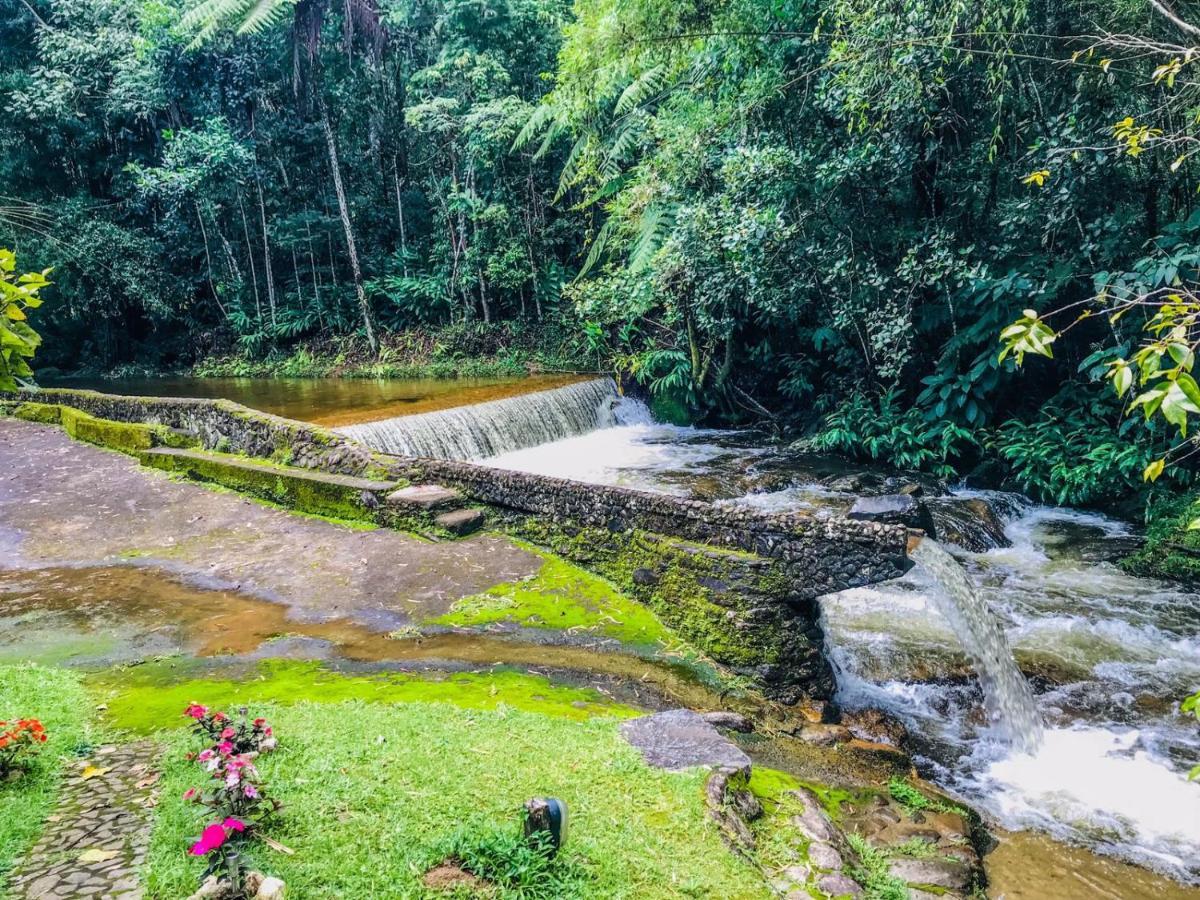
x=498, y=426
x=1007, y=696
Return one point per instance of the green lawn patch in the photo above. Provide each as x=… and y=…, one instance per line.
x=563, y=597
x=58, y=699
x=375, y=794
x=147, y=698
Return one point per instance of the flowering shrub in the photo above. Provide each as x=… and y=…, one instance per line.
x=234, y=791
x=246, y=735
x=19, y=741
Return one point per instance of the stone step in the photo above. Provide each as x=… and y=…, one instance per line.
x=424, y=497
x=306, y=490
x=461, y=521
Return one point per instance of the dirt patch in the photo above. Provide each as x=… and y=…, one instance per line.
x=450, y=876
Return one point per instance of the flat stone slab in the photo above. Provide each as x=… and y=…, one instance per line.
x=97, y=837
x=461, y=521
x=233, y=462
x=424, y=496
x=679, y=739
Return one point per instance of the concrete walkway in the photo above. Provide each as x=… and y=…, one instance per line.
x=66, y=503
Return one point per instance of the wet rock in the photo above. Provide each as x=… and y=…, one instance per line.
x=968, y=522
x=892, y=509
x=732, y=807
x=839, y=885
x=821, y=734
x=824, y=856
x=937, y=873
x=875, y=725
x=680, y=738
x=645, y=577
x=812, y=822
x=728, y=720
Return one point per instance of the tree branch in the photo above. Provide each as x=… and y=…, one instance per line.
x=1171, y=16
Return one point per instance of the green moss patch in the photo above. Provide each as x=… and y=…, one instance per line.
x=57, y=698
x=374, y=795
x=1172, y=549
x=316, y=493
x=148, y=698
x=563, y=597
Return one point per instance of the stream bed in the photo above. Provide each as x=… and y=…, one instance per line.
x=1109, y=656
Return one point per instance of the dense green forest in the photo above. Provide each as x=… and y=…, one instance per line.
x=817, y=214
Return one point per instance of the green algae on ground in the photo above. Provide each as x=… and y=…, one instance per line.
x=56, y=697
x=563, y=597
x=373, y=794
x=151, y=697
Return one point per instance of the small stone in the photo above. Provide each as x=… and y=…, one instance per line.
x=461, y=521
x=797, y=874
x=271, y=889
x=838, y=885
x=938, y=873
x=824, y=856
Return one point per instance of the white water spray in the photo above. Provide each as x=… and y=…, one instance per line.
x=1007, y=697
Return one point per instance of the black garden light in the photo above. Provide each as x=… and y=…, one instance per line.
x=547, y=816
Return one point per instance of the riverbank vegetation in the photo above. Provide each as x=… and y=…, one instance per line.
x=817, y=216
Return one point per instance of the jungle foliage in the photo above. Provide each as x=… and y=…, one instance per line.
x=819, y=214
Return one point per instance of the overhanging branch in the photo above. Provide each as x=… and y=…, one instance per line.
x=1171, y=16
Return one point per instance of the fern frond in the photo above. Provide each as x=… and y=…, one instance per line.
x=542, y=116
x=657, y=222
x=571, y=166
x=641, y=89
x=599, y=245
x=264, y=14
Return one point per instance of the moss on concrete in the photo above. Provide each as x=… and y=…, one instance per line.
x=131, y=438
x=296, y=489
x=152, y=697
x=696, y=590
x=561, y=597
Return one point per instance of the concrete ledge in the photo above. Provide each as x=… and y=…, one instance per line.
x=319, y=493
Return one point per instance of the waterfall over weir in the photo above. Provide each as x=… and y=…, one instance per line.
x=497, y=426
x=1006, y=694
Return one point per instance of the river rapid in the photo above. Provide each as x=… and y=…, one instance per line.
x=1108, y=656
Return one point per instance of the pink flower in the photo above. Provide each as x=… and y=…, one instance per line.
x=260, y=722
x=229, y=732
x=212, y=838
x=234, y=824
x=195, y=710
x=206, y=755
x=225, y=748
x=189, y=794
x=250, y=790
x=233, y=778
x=219, y=717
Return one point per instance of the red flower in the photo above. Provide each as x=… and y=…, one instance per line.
x=195, y=710
x=228, y=732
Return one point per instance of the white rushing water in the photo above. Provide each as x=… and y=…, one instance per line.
x=1112, y=655
x=498, y=426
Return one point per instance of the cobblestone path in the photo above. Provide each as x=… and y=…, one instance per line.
x=96, y=839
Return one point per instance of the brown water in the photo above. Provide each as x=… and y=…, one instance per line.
x=100, y=616
x=330, y=401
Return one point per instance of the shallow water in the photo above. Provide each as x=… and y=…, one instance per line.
x=329, y=401
x=99, y=616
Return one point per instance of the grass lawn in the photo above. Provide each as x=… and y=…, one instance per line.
x=376, y=793
x=58, y=699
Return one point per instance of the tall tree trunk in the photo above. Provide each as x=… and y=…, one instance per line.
x=208, y=259
x=267, y=271
x=250, y=256
x=400, y=213
x=347, y=227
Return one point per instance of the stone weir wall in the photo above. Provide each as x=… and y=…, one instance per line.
x=739, y=584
